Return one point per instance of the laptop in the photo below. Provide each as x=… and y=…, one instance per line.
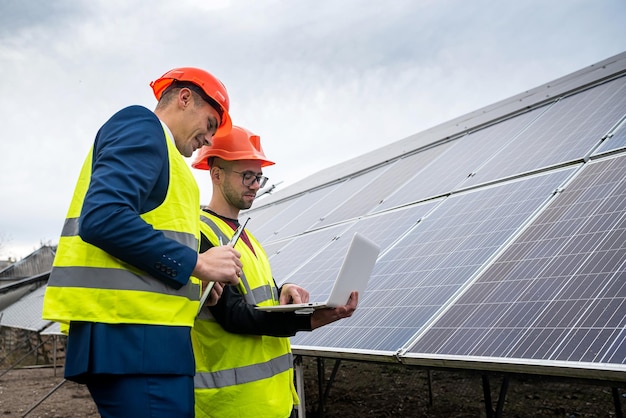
x=353, y=275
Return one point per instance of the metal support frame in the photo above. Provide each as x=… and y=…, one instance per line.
x=8, y=354
x=299, y=373
x=25, y=356
x=617, y=401
x=323, y=385
x=46, y=396
x=498, y=411
x=494, y=413
x=429, y=375
x=54, y=357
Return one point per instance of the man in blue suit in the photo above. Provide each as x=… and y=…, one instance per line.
x=122, y=276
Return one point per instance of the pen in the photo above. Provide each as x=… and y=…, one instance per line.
x=232, y=243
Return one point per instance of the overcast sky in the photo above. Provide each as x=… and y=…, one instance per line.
x=321, y=81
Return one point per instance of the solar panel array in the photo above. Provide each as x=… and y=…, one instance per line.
x=503, y=244
x=558, y=292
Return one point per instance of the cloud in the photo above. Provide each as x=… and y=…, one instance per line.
x=321, y=82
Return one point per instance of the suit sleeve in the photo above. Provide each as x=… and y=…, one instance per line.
x=130, y=174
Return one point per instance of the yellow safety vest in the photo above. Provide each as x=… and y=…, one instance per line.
x=88, y=284
x=242, y=375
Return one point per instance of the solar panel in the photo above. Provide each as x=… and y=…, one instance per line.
x=459, y=160
x=53, y=329
x=26, y=312
x=262, y=215
x=395, y=174
x=384, y=229
x=287, y=256
x=615, y=140
x=310, y=216
x=423, y=270
x=294, y=252
x=267, y=231
x=569, y=130
x=558, y=292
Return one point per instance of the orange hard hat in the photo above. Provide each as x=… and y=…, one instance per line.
x=240, y=144
x=207, y=82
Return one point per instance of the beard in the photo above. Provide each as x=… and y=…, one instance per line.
x=236, y=199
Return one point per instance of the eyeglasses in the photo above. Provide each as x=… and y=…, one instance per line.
x=248, y=178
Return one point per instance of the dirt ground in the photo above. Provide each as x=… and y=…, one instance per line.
x=359, y=390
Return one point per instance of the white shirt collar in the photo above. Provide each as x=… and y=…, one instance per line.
x=169, y=133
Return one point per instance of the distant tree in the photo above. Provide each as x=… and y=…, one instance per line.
x=45, y=243
x=4, y=240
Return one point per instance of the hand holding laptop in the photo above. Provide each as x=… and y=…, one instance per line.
x=323, y=317
x=292, y=293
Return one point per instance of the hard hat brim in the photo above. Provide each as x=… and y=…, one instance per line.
x=226, y=126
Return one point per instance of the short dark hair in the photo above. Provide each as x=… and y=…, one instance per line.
x=177, y=85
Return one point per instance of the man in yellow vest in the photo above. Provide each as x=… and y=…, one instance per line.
x=122, y=276
x=244, y=365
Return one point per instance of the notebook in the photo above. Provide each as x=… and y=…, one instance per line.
x=353, y=275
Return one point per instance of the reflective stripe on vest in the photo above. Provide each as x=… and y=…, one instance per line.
x=115, y=278
x=70, y=229
x=245, y=374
